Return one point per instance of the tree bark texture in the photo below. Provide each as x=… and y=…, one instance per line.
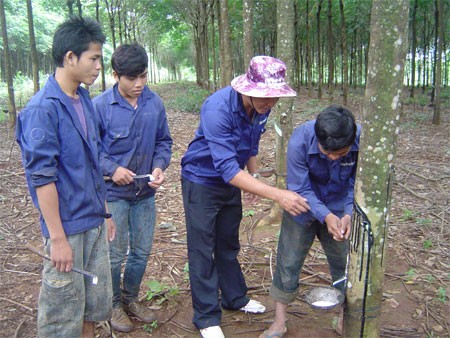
x=248, y=31
x=226, y=62
x=9, y=75
x=381, y=110
x=34, y=57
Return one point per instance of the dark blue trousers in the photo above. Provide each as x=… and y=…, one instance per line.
x=213, y=216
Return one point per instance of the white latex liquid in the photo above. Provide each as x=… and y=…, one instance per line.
x=323, y=303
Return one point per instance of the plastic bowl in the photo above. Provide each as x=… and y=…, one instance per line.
x=324, y=297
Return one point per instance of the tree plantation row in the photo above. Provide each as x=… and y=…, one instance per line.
x=211, y=41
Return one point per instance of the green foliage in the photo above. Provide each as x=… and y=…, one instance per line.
x=248, y=213
x=411, y=275
x=407, y=215
x=160, y=292
x=442, y=294
x=182, y=96
x=150, y=327
x=427, y=244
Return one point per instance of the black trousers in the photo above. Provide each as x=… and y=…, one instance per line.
x=213, y=216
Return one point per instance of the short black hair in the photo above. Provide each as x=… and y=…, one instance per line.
x=129, y=60
x=335, y=128
x=75, y=35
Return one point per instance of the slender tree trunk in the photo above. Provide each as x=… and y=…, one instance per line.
x=227, y=66
x=413, y=48
x=102, y=60
x=344, y=54
x=7, y=60
x=213, y=44
x=70, y=6
x=308, y=53
x=248, y=31
x=438, y=69
x=381, y=115
x=319, y=54
x=330, y=52
x=34, y=57
x=283, y=110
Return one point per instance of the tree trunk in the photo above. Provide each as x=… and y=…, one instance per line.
x=248, y=31
x=413, y=48
x=102, y=60
x=9, y=75
x=330, y=52
x=226, y=63
x=70, y=6
x=381, y=115
x=308, y=54
x=319, y=50
x=438, y=67
x=283, y=110
x=34, y=57
x=344, y=54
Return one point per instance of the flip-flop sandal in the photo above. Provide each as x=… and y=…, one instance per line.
x=266, y=334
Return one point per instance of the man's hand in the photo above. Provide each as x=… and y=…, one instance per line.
x=346, y=226
x=292, y=202
x=61, y=255
x=122, y=176
x=159, y=176
x=334, y=227
x=111, y=229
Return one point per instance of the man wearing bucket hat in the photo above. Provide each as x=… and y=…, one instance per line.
x=232, y=121
x=321, y=165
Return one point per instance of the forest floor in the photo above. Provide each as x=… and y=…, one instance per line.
x=417, y=274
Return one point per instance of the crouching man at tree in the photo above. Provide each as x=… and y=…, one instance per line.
x=321, y=166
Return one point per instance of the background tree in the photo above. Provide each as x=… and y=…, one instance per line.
x=283, y=110
x=226, y=65
x=439, y=50
x=381, y=115
x=9, y=75
x=344, y=54
x=34, y=56
x=248, y=31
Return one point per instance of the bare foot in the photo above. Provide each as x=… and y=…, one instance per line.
x=274, y=331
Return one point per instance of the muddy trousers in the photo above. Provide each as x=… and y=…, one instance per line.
x=294, y=243
x=213, y=216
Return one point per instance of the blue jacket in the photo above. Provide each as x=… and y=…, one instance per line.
x=327, y=185
x=224, y=141
x=56, y=149
x=137, y=139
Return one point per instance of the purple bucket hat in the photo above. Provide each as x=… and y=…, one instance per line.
x=264, y=78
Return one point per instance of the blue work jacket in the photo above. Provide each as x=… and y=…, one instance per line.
x=56, y=149
x=224, y=141
x=327, y=185
x=137, y=139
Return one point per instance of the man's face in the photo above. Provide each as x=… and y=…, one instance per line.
x=334, y=154
x=131, y=87
x=87, y=67
x=263, y=105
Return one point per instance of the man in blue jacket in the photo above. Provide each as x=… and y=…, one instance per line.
x=321, y=166
x=59, y=143
x=135, y=141
x=226, y=142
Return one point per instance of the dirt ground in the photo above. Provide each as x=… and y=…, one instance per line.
x=417, y=275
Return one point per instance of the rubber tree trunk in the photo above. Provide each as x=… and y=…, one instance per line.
x=381, y=110
x=283, y=110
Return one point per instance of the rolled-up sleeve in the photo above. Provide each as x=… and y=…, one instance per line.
x=38, y=137
x=298, y=179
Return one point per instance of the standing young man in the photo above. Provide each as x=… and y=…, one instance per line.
x=232, y=121
x=136, y=141
x=59, y=142
x=321, y=165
